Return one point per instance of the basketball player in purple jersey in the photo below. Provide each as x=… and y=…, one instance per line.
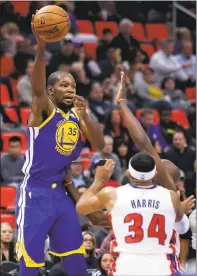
x=58, y=116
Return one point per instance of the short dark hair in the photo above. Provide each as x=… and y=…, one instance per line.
x=15, y=139
x=146, y=111
x=53, y=77
x=106, y=31
x=142, y=162
x=180, y=131
x=165, y=108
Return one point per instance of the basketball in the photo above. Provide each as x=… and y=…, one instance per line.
x=51, y=23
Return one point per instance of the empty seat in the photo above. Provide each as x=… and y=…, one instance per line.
x=12, y=114
x=180, y=117
x=5, y=136
x=156, y=118
x=137, y=31
x=7, y=196
x=148, y=49
x=5, y=97
x=8, y=218
x=157, y=31
x=191, y=93
x=90, y=49
x=100, y=26
x=22, y=7
x=85, y=26
x=24, y=112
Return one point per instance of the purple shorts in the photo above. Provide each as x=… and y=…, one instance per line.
x=44, y=209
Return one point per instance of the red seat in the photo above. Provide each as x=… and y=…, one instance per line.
x=7, y=196
x=22, y=7
x=12, y=114
x=157, y=31
x=90, y=49
x=156, y=118
x=7, y=135
x=180, y=117
x=13, y=83
x=24, y=112
x=85, y=26
x=191, y=93
x=112, y=183
x=9, y=218
x=99, y=26
x=137, y=31
x=87, y=154
x=86, y=163
x=148, y=49
x=5, y=97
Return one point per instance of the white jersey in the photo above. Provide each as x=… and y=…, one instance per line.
x=143, y=221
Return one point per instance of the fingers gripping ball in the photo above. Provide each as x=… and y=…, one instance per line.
x=51, y=23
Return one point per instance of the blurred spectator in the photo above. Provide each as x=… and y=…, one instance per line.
x=69, y=6
x=66, y=55
x=22, y=56
x=115, y=128
x=96, y=103
x=83, y=83
x=175, y=96
x=77, y=175
x=182, y=34
x=103, y=44
x=63, y=67
x=108, y=10
x=24, y=85
x=165, y=64
x=186, y=56
x=158, y=148
x=168, y=127
x=107, y=66
x=145, y=90
x=6, y=61
x=180, y=154
x=190, y=182
x=7, y=252
x=105, y=246
x=90, y=246
x=123, y=153
x=105, y=262
x=125, y=41
x=107, y=153
x=153, y=131
x=12, y=163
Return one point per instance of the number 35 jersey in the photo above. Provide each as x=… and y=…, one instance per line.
x=52, y=147
x=143, y=220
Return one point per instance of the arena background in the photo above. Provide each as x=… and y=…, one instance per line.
x=105, y=38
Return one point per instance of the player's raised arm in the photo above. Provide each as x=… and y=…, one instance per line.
x=140, y=137
x=96, y=198
x=89, y=127
x=40, y=101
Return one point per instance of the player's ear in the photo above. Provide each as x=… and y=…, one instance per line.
x=128, y=174
x=50, y=90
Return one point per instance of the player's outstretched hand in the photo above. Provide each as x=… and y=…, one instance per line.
x=39, y=40
x=103, y=173
x=188, y=204
x=122, y=91
x=80, y=105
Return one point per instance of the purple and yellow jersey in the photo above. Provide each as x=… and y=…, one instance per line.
x=52, y=147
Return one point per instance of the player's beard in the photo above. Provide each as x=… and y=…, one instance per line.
x=65, y=107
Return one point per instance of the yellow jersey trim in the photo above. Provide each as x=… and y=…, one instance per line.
x=21, y=252
x=80, y=250
x=48, y=119
x=75, y=112
x=65, y=115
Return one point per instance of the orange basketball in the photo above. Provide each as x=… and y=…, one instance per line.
x=51, y=23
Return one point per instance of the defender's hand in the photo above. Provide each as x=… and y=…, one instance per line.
x=103, y=173
x=122, y=91
x=39, y=40
x=80, y=106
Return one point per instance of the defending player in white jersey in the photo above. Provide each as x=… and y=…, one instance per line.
x=143, y=217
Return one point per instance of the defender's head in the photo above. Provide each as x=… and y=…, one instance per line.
x=61, y=88
x=142, y=169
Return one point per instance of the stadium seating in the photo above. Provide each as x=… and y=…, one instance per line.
x=85, y=26
x=5, y=97
x=156, y=118
x=191, y=93
x=90, y=49
x=180, y=117
x=86, y=163
x=112, y=183
x=5, y=136
x=99, y=26
x=137, y=32
x=8, y=218
x=7, y=196
x=24, y=113
x=148, y=49
x=157, y=31
x=12, y=114
x=21, y=7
